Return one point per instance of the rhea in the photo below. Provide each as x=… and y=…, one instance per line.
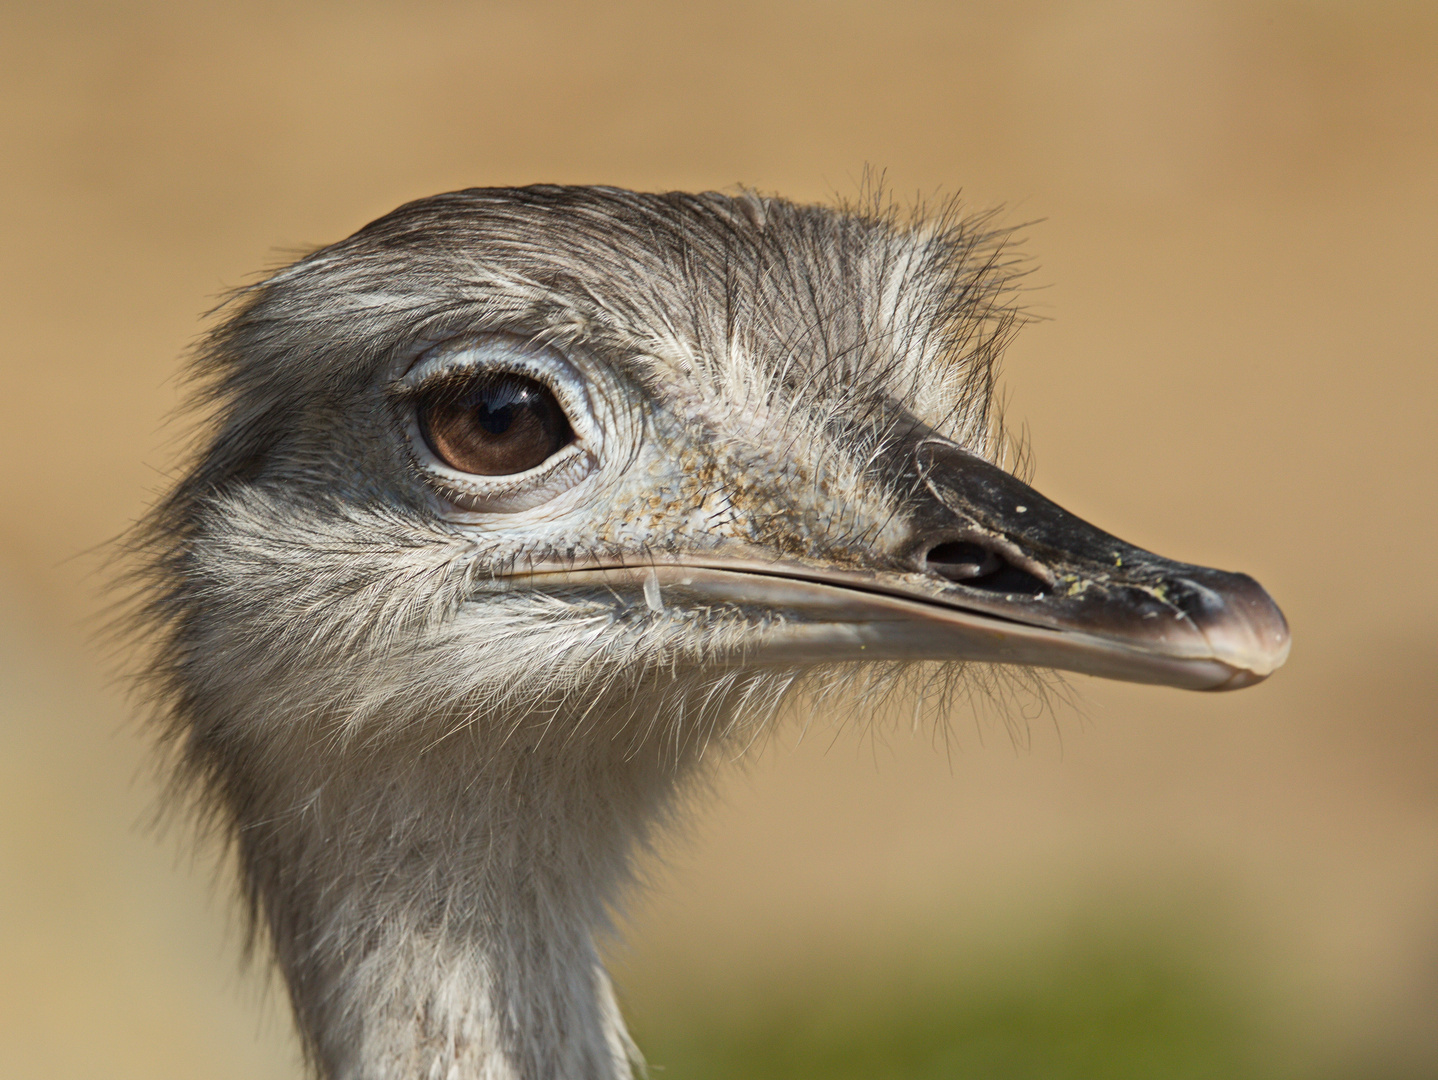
x=519, y=507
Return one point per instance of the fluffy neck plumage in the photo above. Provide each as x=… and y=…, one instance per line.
x=434, y=906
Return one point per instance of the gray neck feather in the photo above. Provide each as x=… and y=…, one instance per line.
x=435, y=911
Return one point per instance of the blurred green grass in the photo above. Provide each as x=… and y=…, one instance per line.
x=1095, y=1006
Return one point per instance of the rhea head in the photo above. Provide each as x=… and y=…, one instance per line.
x=519, y=501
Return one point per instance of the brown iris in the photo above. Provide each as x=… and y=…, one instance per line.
x=493, y=425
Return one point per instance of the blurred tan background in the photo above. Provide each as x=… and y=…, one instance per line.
x=1236, y=250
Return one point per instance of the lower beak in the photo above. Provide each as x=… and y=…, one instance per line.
x=832, y=616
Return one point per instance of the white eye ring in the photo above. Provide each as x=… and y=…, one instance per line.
x=505, y=354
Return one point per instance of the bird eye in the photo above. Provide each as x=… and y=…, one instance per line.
x=493, y=424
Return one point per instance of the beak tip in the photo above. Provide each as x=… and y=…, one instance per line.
x=1255, y=636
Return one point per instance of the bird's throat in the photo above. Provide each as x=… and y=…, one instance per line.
x=435, y=911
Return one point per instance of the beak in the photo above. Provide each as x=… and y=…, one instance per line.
x=991, y=571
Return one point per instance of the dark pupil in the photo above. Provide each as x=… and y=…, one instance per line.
x=494, y=426
x=494, y=421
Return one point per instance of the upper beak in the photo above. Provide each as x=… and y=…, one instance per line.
x=991, y=571
x=1123, y=612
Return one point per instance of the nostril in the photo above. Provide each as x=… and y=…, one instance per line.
x=979, y=567
x=959, y=560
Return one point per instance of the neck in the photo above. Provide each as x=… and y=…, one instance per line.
x=435, y=908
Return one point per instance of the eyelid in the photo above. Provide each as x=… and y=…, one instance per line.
x=500, y=353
